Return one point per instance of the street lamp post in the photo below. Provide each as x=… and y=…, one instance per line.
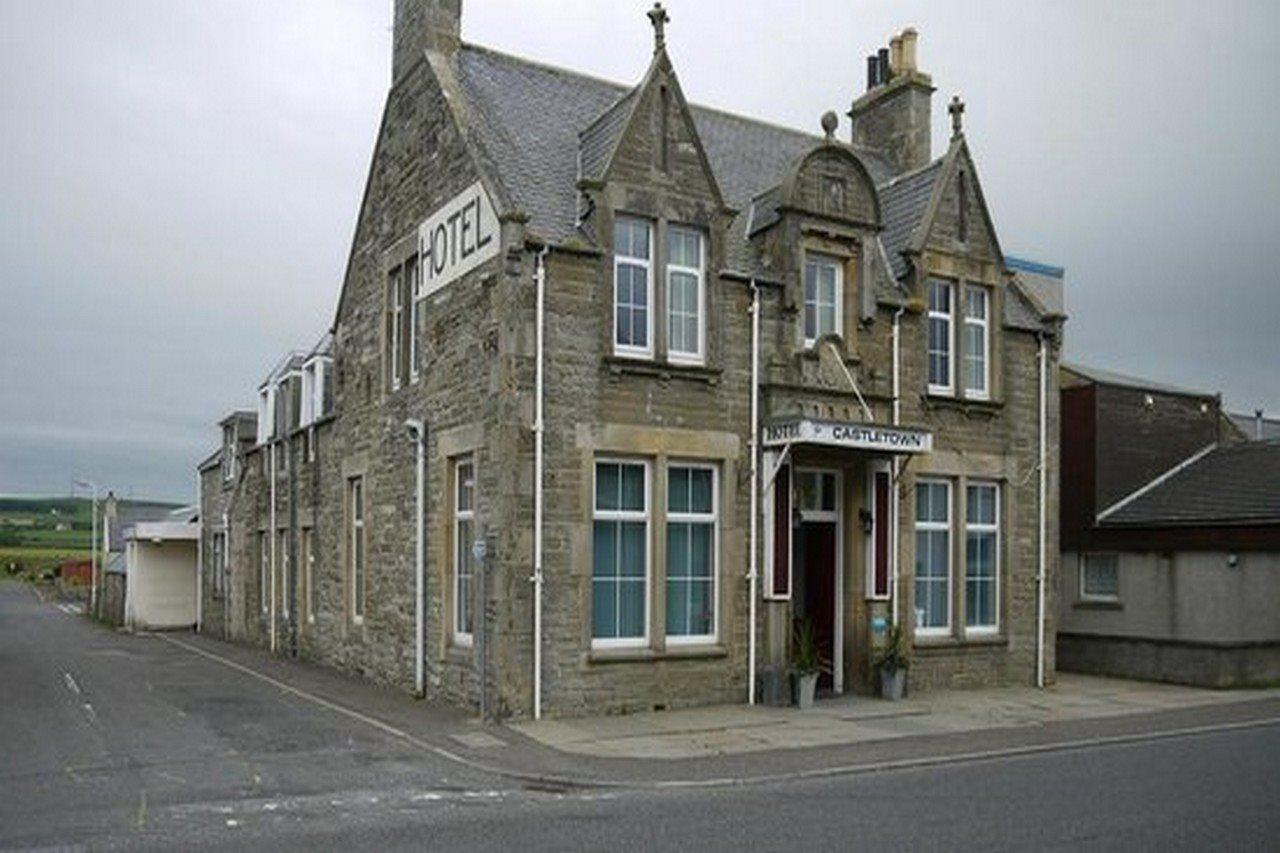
x=93, y=553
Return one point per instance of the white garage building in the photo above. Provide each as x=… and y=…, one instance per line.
x=160, y=560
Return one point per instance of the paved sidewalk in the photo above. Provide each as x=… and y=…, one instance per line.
x=847, y=721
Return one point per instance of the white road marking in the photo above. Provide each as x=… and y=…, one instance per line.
x=736, y=782
x=71, y=683
x=93, y=717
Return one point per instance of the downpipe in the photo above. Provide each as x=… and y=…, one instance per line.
x=753, y=572
x=1040, y=567
x=540, y=282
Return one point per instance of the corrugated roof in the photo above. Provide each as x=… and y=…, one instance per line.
x=1121, y=380
x=1249, y=426
x=1233, y=484
x=1042, y=281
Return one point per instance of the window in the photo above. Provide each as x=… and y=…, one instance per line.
x=396, y=332
x=1100, y=577
x=691, y=553
x=464, y=536
x=933, y=557
x=219, y=561
x=356, y=547
x=620, y=565
x=632, y=318
x=415, y=308
x=308, y=561
x=285, y=586
x=266, y=413
x=228, y=452
x=982, y=557
x=822, y=298
x=976, y=339
x=264, y=570
x=816, y=491
x=939, y=345
x=686, y=327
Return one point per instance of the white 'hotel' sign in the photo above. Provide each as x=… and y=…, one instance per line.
x=457, y=238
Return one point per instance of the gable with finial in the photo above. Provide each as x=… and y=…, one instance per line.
x=648, y=137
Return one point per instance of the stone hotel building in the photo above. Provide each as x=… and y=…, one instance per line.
x=620, y=389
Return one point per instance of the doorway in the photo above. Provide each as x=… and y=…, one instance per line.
x=817, y=557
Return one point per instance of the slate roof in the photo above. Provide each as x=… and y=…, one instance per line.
x=902, y=204
x=1230, y=485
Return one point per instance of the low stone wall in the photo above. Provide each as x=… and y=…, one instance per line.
x=1199, y=664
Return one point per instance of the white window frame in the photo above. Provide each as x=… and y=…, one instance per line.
x=264, y=570
x=283, y=551
x=818, y=259
x=626, y=516
x=983, y=527
x=630, y=350
x=307, y=397
x=460, y=516
x=950, y=318
x=397, y=327
x=937, y=526
x=308, y=547
x=266, y=413
x=699, y=355
x=712, y=518
x=1085, y=595
x=228, y=453
x=356, y=532
x=983, y=323
x=414, y=294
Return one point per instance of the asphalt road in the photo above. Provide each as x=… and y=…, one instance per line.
x=115, y=741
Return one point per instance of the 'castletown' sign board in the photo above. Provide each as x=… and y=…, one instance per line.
x=457, y=238
x=851, y=435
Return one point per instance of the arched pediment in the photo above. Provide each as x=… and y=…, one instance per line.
x=831, y=181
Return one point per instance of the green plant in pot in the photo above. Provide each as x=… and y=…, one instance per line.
x=807, y=663
x=892, y=662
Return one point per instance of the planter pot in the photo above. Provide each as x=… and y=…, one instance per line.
x=805, y=687
x=893, y=683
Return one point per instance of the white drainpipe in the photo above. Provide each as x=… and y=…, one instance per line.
x=271, y=543
x=540, y=281
x=753, y=574
x=1040, y=578
x=896, y=468
x=199, y=553
x=418, y=434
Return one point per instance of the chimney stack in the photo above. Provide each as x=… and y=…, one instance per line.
x=893, y=115
x=422, y=25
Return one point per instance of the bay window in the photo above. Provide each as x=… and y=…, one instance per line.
x=982, y=560
x=620, y=564
x=933, y=557
x=823, y=298
x=977, y=302
x=686, y=316
x=940, y=320
x=632, y=288
x=691, y=553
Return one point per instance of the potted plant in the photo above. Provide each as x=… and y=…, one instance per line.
x=892, y=662
x=806, y=664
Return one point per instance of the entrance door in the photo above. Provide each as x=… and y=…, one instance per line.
x=819, y=589
x=818, y=539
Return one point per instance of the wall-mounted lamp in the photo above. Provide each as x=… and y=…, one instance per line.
x=1233, y=560
x=868, y=520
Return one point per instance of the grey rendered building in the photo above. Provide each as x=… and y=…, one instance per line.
x=574, y=286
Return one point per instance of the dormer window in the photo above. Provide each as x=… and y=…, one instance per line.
x=632, y=288
x=686, y=276
x=977, y=302
x=941, y=322
x=823, y=298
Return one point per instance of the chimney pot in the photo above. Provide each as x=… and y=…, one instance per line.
x=895, y=55
x=882, y=60
x=909, y=39
x=873, y=71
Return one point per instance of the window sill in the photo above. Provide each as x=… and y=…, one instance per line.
x=1100, y=604
x=952, y=643
x=639, y=654
x=619, y=365
x=967, y=405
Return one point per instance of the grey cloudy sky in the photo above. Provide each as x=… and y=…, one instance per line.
x=179, y=182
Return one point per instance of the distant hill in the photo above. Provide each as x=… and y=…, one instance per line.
x=59, y=522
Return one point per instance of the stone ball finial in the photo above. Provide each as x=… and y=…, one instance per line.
x=830, y=122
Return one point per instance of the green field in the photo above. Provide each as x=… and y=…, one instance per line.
x=34, y=562
x=39, y=534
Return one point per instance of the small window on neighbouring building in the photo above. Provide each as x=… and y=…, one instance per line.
x=1099, y=577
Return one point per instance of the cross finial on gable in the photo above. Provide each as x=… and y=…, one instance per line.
x=659, y=18
x=956, y=108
